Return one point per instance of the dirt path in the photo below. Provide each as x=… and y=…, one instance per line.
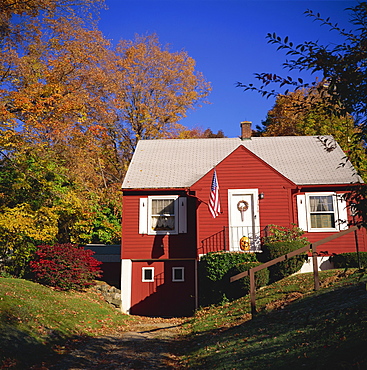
x=149, y=345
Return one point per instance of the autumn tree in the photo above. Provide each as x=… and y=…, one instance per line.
x=196, y=133
x=344, y=75
x=343, y=67
x=71, y=111
x=297, y=113
x=153, y=89
x=33, y=8
x=41, y=203
x=58, y=180
x=52, y=83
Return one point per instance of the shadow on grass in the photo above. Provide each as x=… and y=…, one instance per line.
x=324, y=331
x=130, y=350
x=112, y=352
x=19, y=350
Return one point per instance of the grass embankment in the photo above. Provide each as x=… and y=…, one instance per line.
x=295, y=327
x=36, y=321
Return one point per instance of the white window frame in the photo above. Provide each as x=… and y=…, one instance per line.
x=173, y=274
x=175, y=204
x=335, y=211
x=145, y=215
x=143, y=279
x=304, y=212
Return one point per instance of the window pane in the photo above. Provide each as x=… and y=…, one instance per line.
x=321, y=203
x=178, y=274
x=163, y=223
x=148, y=274
x=163, y=214
x=322, y=221
x=163, y=207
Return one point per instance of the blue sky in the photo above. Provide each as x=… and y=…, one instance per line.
x=227, y=39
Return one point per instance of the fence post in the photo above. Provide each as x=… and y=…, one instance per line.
x=357, y=249
x=315, y=268
x=312, y=246
x=252, y=293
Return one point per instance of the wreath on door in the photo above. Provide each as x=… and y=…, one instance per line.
x=242, y=206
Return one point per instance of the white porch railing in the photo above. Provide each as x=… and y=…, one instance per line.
x=228, y=239
x=236, y=233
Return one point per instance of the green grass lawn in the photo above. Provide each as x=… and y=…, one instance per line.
x=36, y=321
x=295, y=328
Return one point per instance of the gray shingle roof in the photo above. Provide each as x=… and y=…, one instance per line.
x=175, y=163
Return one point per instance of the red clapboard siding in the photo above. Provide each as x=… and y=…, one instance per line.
x=243, y=170
x=240, y=170
x=138, y=246
x=163, y=297
x=343, y=244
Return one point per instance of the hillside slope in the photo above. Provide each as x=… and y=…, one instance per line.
x=295, y=328
x=36, y=321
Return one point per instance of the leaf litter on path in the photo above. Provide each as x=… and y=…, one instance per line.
x=148, y=343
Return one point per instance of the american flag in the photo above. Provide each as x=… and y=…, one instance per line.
x=214, y=204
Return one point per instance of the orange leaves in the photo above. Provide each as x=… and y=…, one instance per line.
x=154, y=87
x=81, y=106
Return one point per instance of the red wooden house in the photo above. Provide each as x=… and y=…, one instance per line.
x=262, y=180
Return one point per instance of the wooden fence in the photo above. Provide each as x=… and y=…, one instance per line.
x=311, y=247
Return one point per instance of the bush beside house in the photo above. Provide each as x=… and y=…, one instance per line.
x=241, y=287
x=349, y=260
x=214, y=270
x=288, y=267
x=279, y=241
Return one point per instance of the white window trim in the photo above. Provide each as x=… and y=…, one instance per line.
x=145, y=219
x=162, y=232
x=143, y=216
x=335, y=208
x=340, y=212
x=173, y=274
x=143, y=279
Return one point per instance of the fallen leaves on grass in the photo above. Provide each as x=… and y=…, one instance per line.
x=281, y=303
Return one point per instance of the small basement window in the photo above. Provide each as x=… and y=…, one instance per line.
x=148, y=274
x=178, y=274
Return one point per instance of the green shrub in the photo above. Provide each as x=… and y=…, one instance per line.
x=280, y=240
x=217, y=264
x=344, y=260
x=275, y=233
x=241, y=287
x=213, y=279
x=287, y=267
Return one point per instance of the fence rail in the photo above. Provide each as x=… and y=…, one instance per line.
x=312, y=247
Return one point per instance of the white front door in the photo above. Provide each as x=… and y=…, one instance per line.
x=244, y=220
